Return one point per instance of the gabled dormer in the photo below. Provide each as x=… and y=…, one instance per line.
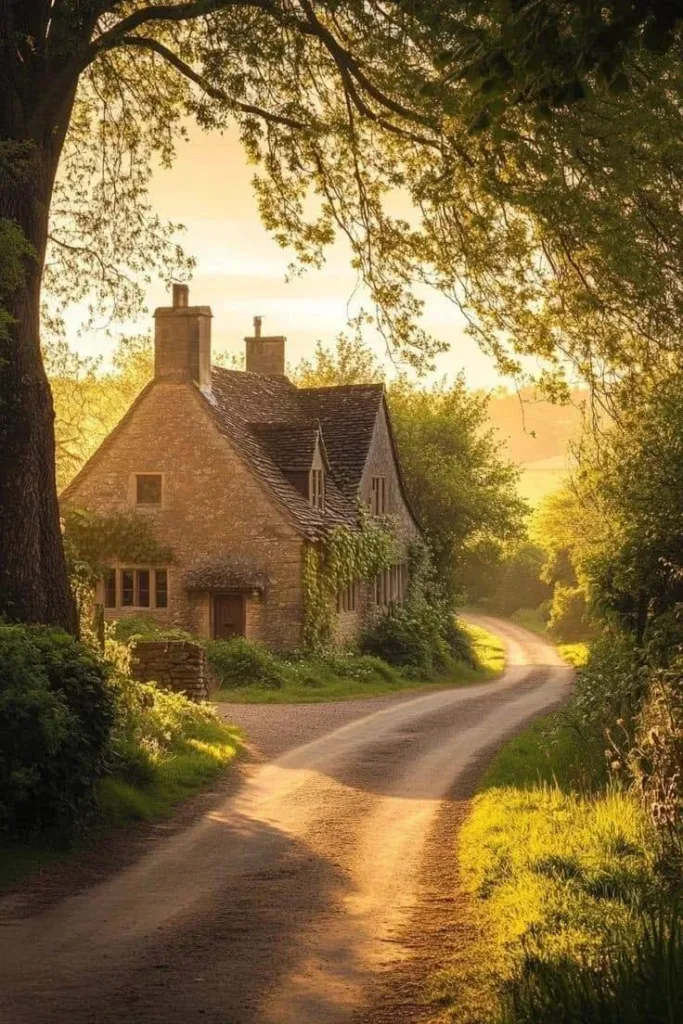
x=298, y=450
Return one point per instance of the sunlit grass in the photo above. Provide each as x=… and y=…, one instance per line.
x=205, y=750
x=530, y=619
x=322, y=685
x=575, y=654
x=557, y=872
x=489, y=649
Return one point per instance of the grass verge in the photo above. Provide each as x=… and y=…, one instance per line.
x=205, y=750
x=316, y=680
x=202, y=753
x=569, y=919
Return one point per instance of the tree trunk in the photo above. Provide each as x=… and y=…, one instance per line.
x=34, y=586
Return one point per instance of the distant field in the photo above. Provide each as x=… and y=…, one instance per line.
x=541, y=478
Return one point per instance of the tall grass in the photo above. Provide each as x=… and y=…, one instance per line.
x=575, y=922
x=639, y=980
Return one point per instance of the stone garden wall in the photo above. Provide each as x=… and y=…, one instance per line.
x=177, y=665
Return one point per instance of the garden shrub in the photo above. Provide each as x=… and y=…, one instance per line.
x=417, y=636
x=315, y=670
x=144, y=627
x=241, y=662
x=56, y=716
x=611, y=686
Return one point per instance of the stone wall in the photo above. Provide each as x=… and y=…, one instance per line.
x=177, y=665
x=212, y=506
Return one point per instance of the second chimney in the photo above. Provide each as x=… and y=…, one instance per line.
x=265, y=354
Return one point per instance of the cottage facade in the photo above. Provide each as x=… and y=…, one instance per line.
x=237, y=472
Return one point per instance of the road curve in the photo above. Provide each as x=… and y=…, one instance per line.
x=286, y=903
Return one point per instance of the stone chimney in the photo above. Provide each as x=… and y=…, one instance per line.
x=265, y=354
x=182, y=340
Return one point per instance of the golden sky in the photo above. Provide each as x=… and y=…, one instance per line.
x=241, y=271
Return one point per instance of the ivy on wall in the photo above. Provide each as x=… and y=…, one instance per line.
x=92, y=541
x=343, y=557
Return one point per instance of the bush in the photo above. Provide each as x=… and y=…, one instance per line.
x=56, y=717
x=656, y=758
x=611, y=686
x=240, y=662
x=417, y=636
x=568, y=615
x=316, y=670
x=146, y=628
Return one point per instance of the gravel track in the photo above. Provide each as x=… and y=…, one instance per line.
x=298, y=898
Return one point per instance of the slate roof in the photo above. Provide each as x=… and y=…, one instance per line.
x=274, y=425
x=347, y=416
x=291, y=445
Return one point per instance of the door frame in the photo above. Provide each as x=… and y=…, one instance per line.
x=234, y=595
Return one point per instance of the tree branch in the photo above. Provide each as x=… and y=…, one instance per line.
x=344, y=59
x=144, y=43
x=366, y=111
x=168, y=12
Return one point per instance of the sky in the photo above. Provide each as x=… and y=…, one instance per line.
x=241, y=271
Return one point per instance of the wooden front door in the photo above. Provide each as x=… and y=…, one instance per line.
x=228, y=616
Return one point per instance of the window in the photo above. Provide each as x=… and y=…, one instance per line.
x=148, y=488
x=347, y=598
x=128, y=588
x=317, y=488
x=390, y=585
x=110, y=588
x=135, y=588
x=378, y=504
x=161, y=588
x=142, y=579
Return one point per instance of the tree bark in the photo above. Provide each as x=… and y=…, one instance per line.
x=34, y=584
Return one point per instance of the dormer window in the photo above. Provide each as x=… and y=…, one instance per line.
x=378, y=504
x=317, y=488
x=148, y=489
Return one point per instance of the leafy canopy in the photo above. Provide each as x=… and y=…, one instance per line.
x=546, y=207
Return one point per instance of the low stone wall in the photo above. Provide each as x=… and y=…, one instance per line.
x=177, y=665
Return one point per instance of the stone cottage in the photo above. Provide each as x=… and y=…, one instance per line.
x=238, y=472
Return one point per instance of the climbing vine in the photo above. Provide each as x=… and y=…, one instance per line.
x=92, y=541
x=343, y=557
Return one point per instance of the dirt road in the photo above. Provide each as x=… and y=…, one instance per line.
x=299, y=899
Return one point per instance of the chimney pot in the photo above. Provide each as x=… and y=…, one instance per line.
x=258, y=320
x=181, y=296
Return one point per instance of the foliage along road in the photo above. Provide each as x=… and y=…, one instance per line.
x=318, y=892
